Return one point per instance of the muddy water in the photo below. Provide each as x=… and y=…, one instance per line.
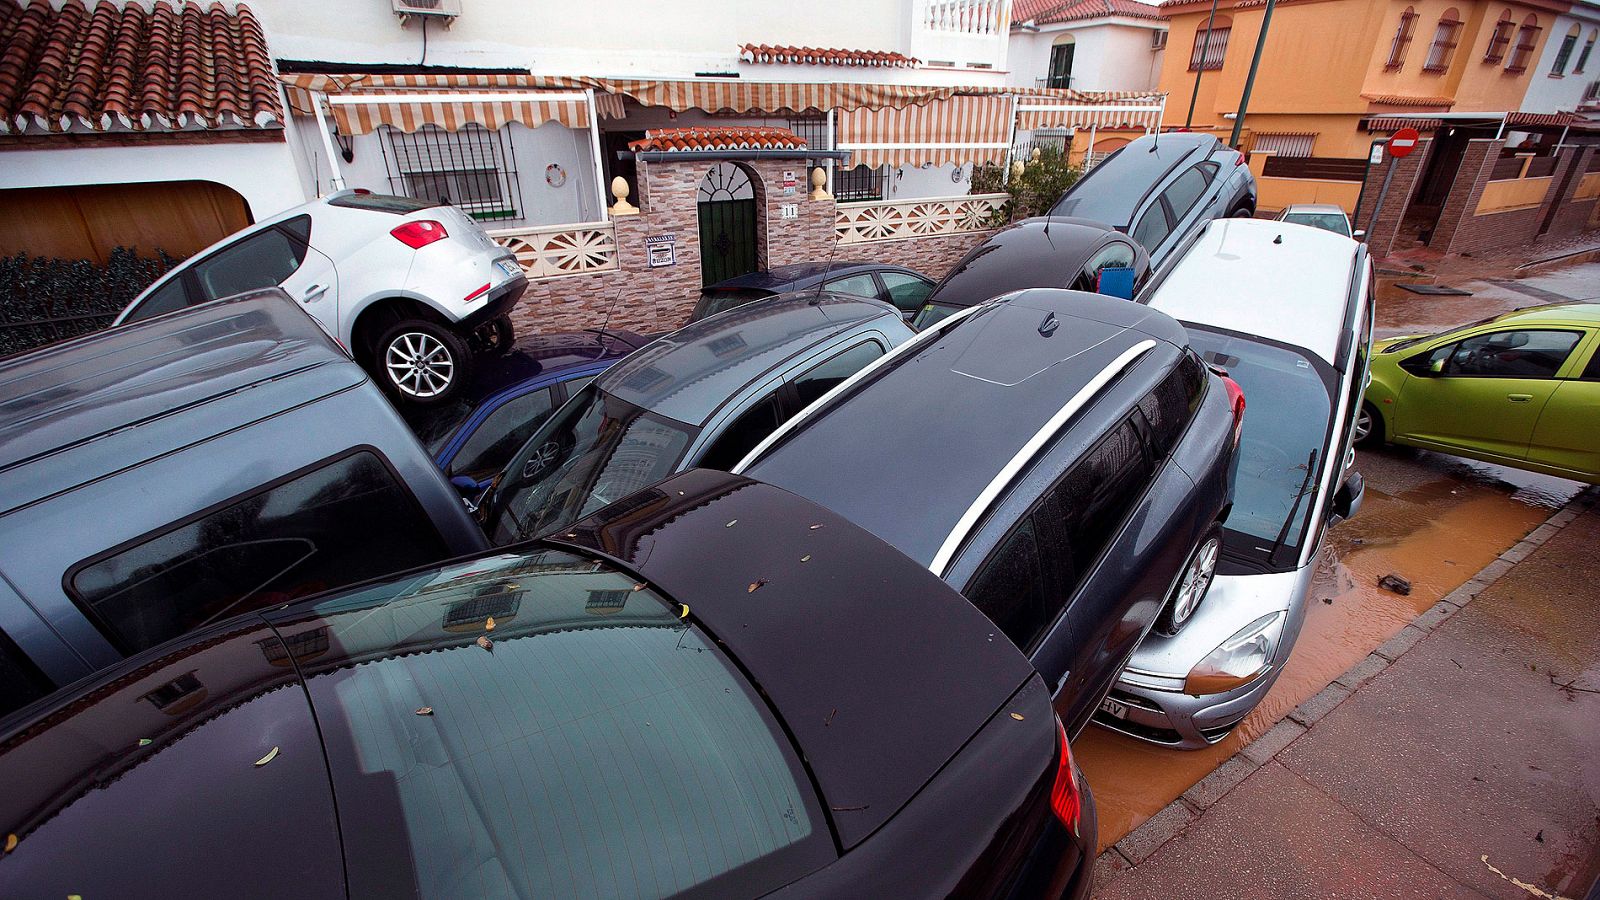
x=1433, y=519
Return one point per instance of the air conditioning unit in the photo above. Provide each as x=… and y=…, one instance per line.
x=447, y=10
x=1158, y=40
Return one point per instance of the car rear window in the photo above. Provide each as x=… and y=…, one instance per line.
x=713, y=302
x=543, y=725
x=335, y=524
x=383, y=203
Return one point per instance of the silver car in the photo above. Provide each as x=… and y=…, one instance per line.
x=1327, y=216
x=1287, y=311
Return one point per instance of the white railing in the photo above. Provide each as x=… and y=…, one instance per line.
x=965, y=16
x=860, y=223
x=553, y=251
x=966, y=33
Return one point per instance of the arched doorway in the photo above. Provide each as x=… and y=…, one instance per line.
x=729, y=243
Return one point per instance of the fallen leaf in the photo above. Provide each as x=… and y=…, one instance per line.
x=145, y=742
x=639, y=586
x=683, y=610
x=754, y=585
x=806, y=558
x=11, y=842
x=489, y=625
x=731, y=524
x=271, y=755
x=1017, y=716
x=485, y=643
x=424, y=710
x=814, y=528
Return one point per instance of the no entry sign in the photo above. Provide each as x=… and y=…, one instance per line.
x=1403, y=142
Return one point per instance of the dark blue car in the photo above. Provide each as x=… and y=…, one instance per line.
x=473, y=436
x=904, y=288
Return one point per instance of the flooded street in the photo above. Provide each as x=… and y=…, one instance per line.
x=1434, y=519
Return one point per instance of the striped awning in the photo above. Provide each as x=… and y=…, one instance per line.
x=1106, y=110
x=960, y=129
x=361, y=103
x=1381, y=123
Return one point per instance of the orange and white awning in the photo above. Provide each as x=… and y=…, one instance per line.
x=361, y=103
x=1107, y=110
x=959, y=129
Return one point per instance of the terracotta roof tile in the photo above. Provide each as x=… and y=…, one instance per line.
x=726, y=138
x=817, y=56
x=126, y=67
x=1404, y=100
x=1049, y=12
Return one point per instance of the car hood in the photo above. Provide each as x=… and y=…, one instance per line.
x=1233, y=602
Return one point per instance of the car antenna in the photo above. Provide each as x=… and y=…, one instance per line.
x=816, y=298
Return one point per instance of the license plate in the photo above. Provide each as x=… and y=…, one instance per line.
x=508, y=266
x=1114, y=708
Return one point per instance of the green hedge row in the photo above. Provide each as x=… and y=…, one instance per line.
x=43, y=300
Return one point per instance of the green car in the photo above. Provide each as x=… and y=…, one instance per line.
x=1520, y=389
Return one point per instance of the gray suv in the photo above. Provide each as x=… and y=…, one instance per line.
x=161, y=476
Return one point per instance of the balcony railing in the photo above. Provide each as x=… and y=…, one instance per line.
x=555, y=251
x=966, y=33
x=861, y=223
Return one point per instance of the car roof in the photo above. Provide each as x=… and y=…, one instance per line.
x=548, y=354
x=781, y=278
x=936, y=426
x=687, y=375
x=823, y=616
x=80, y=410
x=1112, y=190
x=1039, y=252
x=1554, y=314
x=1278, y=280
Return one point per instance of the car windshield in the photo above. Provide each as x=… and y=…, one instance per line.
x=1334, y=222
x=594, y=450
x=1285, y=436
x=1412, y=342
x=933, y=313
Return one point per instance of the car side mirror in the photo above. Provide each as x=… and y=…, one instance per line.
x=1347, y=500
x=1359, y=234
x=472, y=491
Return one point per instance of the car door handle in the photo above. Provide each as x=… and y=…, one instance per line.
x=314, y=291
x=1519, y=398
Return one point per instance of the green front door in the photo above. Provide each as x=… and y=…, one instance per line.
x=727, y=239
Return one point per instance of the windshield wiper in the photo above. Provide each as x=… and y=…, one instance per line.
x=1283, y=533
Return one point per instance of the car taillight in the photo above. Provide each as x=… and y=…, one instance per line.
x=417, y=235
x=1241, y=159
x=1235, y=402
x=1064, y=800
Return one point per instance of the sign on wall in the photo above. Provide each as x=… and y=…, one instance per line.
x=661, y=249
x=790, y=184
x=789, y=211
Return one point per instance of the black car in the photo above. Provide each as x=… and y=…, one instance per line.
x=713, y=688
x=904, y=288
x=1057, y=456
x=1039, y=253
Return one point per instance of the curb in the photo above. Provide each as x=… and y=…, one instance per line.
x=1143, y=842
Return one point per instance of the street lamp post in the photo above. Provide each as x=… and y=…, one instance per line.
x=1250, y=81
x=1200, y=68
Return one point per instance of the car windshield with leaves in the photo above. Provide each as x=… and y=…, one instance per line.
x=594, y=450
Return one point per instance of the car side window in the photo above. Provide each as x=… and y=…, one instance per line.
x=1187, y=189
x=855, y=285
x=263, y=259
x=1010, y=587
x=1592, y=371
x=825, y=376
x=743, y=434
x=1095, y=497
x=1115, y=255
x=1153, y=227
x=1512, y=354
x=172, y=296
x=906, y=292
x=21, y=682
x=1166, y=411
x=501, y=434
x=338, y=523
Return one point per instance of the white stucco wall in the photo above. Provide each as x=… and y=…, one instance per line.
x=263, y=173
x=1111, y=54
x=1546, y=94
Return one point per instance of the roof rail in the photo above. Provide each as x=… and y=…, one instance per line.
x=917, y=340
x=986, y=498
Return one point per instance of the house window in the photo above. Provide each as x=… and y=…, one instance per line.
x=1527, y=39
x=1500, y=39
x=1583, y=58
x=472, y=168
x=1444, y=42
x=860, y=183
x=1284, y=144
x=1565, y=53
x=1060, y=74
x=1208, y=54
x=1402, y=39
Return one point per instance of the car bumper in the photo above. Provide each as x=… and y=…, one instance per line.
x=498, y=302
x=1061, y=863
x=1151, y=688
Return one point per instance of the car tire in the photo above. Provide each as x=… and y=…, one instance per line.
x=494, y=337
x=1243, y=212
x=1199, y=570
x=421, y=362
x=1369, y=426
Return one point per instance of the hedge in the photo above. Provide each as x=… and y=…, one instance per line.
x=44, y=300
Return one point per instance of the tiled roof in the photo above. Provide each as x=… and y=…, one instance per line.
x=1403, y=100
x=128, y=67
x=817, y=56
x=753, y=137
x=1049, y=12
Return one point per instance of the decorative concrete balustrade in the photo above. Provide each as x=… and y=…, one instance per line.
x=554, y=251
x=861, y=223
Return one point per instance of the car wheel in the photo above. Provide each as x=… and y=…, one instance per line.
x=422, y=363
x=1243, y=212
x=1192, y=585
x=1369, y=427
x=494, y=337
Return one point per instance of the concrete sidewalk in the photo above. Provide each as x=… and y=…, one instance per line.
x=1461, y=759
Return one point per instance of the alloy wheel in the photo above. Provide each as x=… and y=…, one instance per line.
x=1363, y=424
x=419, y=364
x=1196, y=581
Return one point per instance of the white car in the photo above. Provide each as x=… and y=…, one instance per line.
x=1287, y=311
x=1327, y=216
x=411, y=288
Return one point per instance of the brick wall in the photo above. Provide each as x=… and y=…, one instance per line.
x=932, y=256
x=1574, y=216
x=1477, y=164
x=1380, y=237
